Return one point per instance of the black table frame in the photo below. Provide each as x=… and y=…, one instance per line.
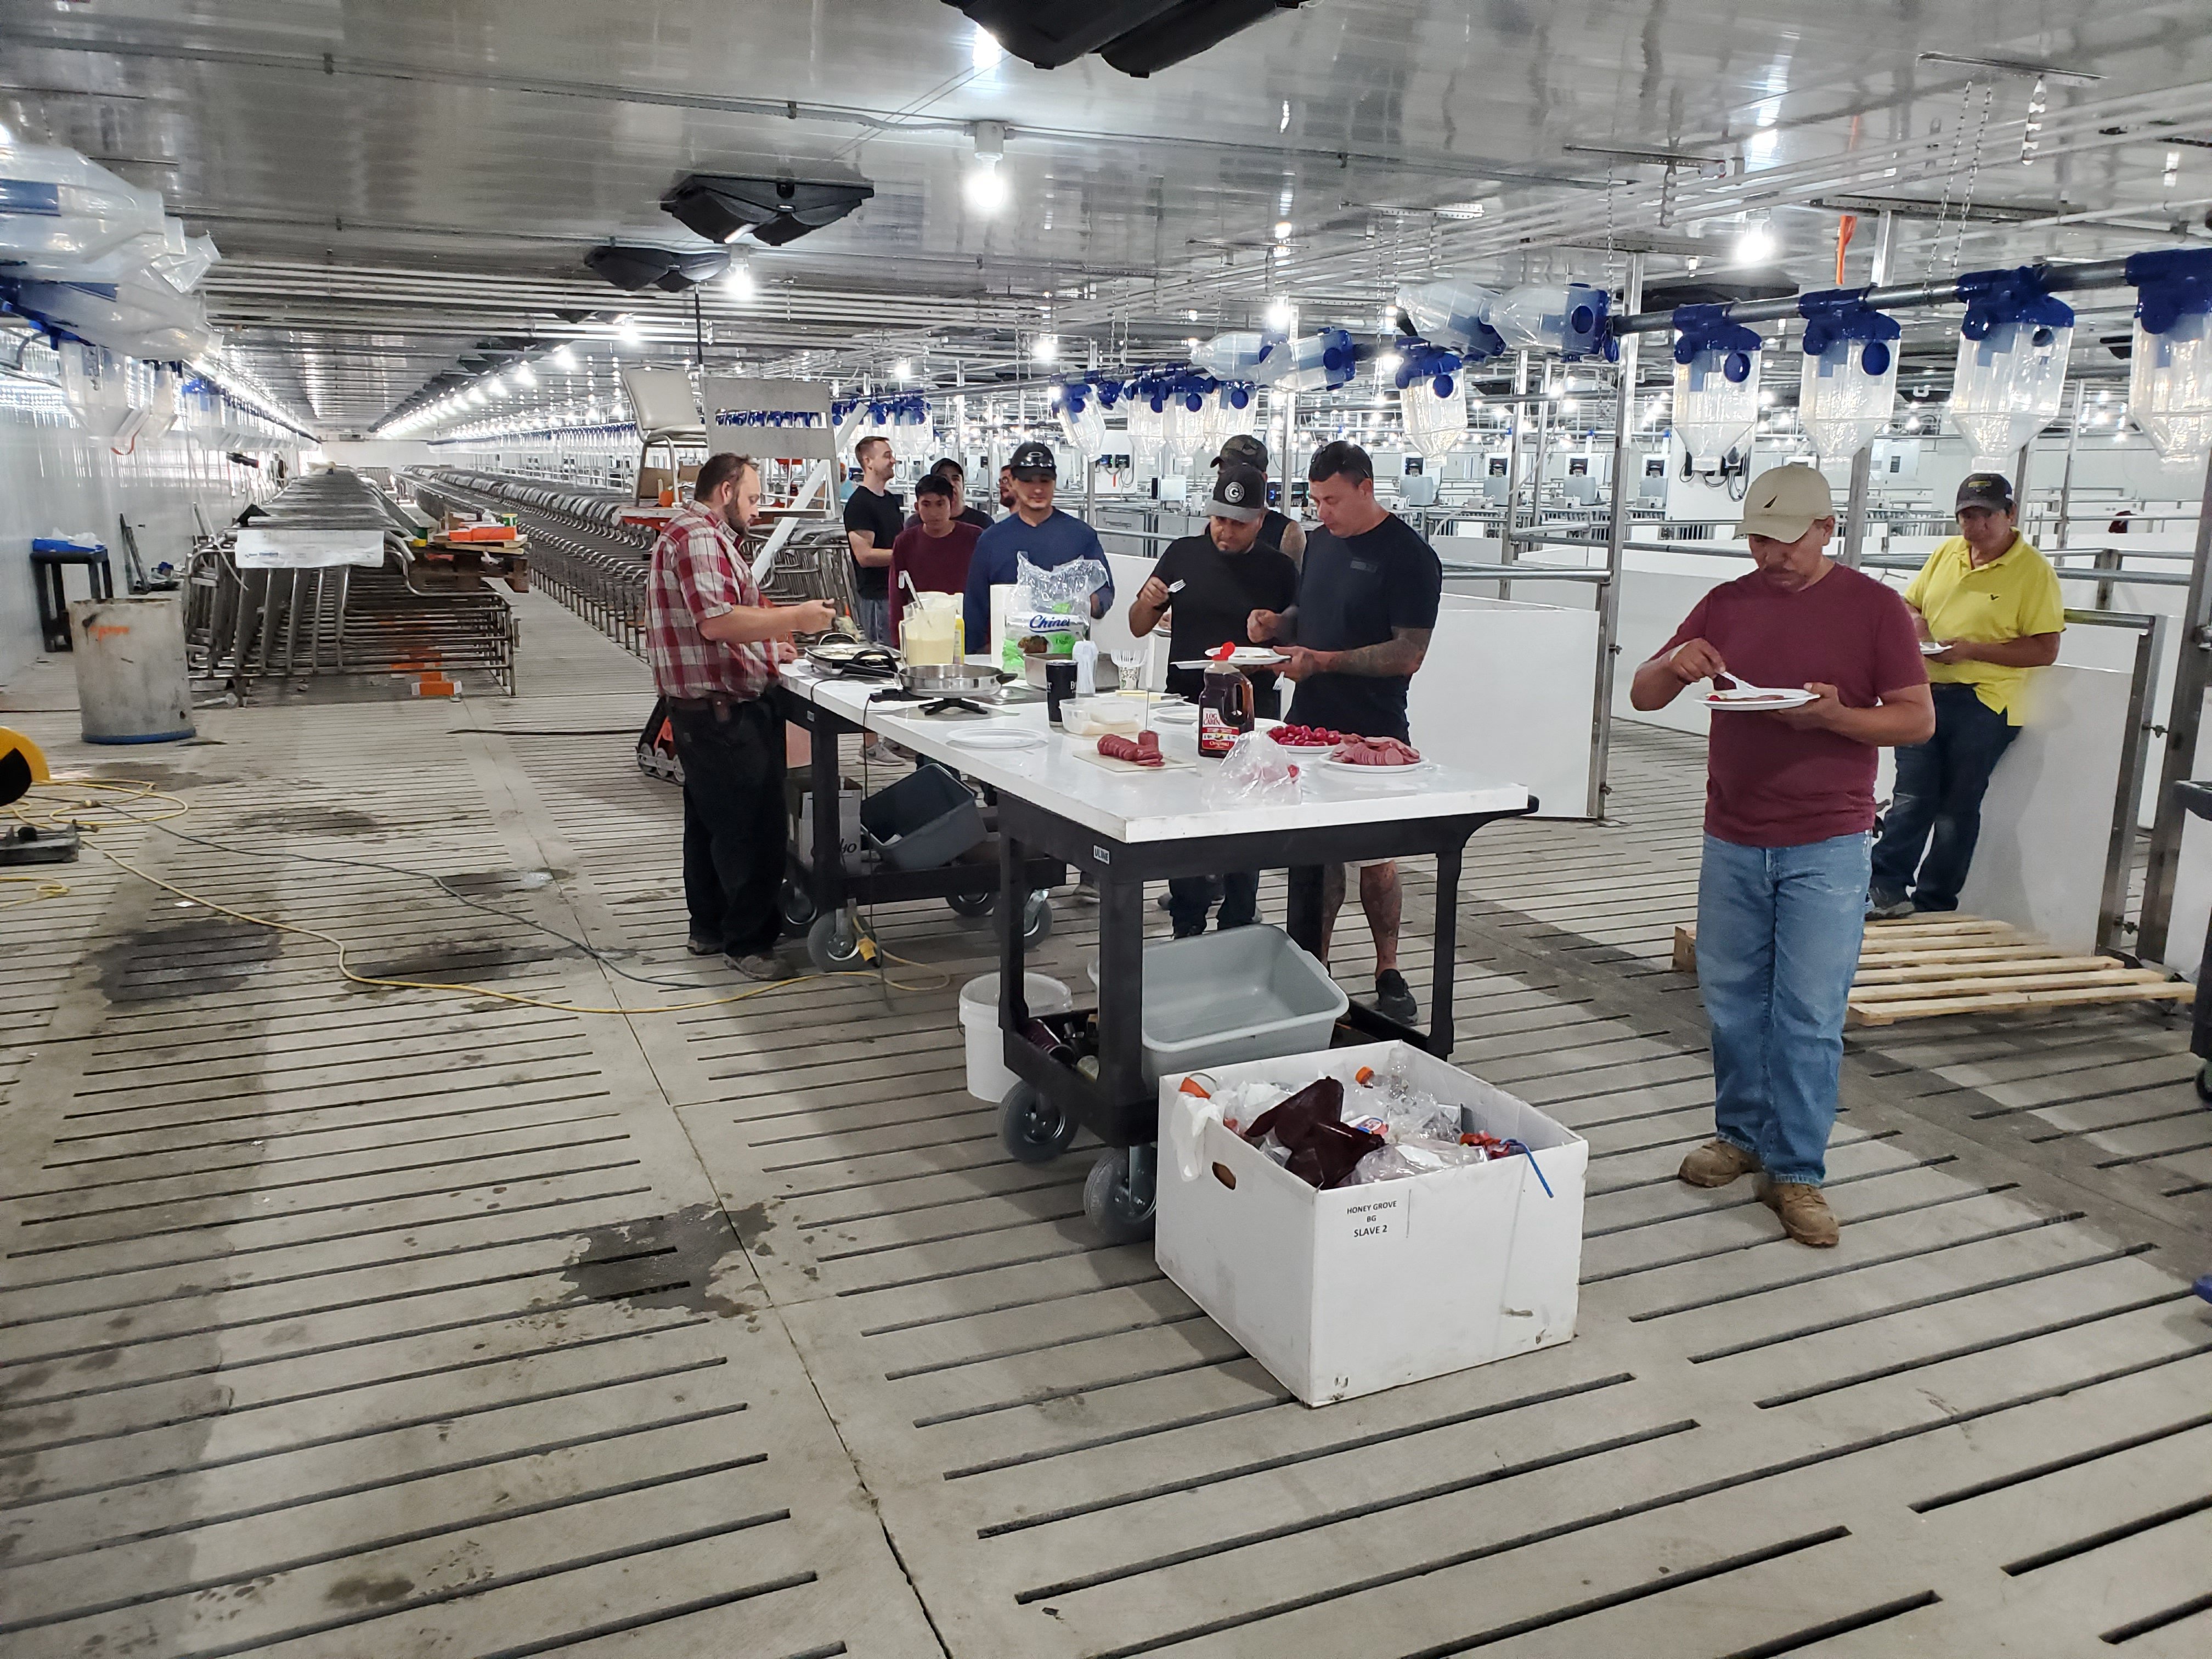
x=820, y=868
x=1117, y=1106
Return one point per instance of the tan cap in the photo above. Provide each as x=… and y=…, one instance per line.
x=1783, y=502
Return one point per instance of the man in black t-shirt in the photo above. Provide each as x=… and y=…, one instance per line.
x=873, y=519
x=1368, y=596
x=1224, y=577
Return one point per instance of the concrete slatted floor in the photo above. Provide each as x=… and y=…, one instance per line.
x=340, y=1322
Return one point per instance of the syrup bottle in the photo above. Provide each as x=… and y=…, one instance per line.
x=1224, y=708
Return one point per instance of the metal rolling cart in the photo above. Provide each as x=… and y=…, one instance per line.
x=1054, y=1099
x=821, y=890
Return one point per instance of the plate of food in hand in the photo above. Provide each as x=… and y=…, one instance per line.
x=1243, y=656
x=1758, y=698
x=1933, y=647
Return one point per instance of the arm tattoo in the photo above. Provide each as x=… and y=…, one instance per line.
x=1400, y=653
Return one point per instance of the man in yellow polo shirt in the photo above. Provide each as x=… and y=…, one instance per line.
x=1991, y=602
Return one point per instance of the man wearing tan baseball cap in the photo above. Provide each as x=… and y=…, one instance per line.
x=1815, y=667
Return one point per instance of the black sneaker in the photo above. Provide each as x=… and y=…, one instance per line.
x=703, y=944
x=1393, y=998
x=1885, y=904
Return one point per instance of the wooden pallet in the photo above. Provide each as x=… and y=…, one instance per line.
x=1919, y=967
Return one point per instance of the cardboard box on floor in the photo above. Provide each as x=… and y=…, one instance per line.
x=1346, y=1292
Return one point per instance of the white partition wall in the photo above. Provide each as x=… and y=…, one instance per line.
x=1508, y=691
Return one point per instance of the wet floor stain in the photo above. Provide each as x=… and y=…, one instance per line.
x=670, y=1260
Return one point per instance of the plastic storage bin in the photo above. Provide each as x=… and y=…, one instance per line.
x=987, y=1076
x=1220, y=999
x=923, y=820
x=1346, y=1292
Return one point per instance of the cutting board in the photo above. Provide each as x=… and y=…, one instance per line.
x=1086, y=750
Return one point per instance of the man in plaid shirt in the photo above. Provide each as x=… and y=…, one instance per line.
x=714, y=645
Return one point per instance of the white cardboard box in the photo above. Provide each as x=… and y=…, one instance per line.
x=1346, y=1292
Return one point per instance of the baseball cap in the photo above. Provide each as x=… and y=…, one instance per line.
x=1033, y=460
x=1245, y=449
x=1783, y=502
x=1240, y=492
x=1985, y=489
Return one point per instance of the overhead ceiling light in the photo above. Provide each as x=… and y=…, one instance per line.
x=1046, y=349
x=1755, y=247
x=524, y=376
x=1282, y=230
x=903, y=368
x=739, y=284
x=985, y=51
x=986, y=189
x=564, y=359
x=1388, y=363
x=1462, y=210
x=1281, y=314
x=627, y=329
x=2009, y=66
x=1284, y=125
x=476, y=394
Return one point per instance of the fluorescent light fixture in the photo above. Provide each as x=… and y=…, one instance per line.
x=1281, y=314
x=476, y=394
x=524, y=376
x=739, y=284
x=1046, y=349
x=497, y=385
x=564, y=359
x=903, y=368
x=985, y=51
x=627, y=329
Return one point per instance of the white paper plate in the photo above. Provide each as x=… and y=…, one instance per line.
x=994, y=737
x=1329, y=761
x=1245, y=656
x=1930, y=648
x=1175, y=713
x=1762, y=702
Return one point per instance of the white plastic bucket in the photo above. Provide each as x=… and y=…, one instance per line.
x=129, y=655
x=987, y=1076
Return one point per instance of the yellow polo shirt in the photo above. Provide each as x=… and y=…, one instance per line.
x=2014, y=595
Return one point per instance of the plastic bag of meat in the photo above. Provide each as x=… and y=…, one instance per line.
x=1256, y=772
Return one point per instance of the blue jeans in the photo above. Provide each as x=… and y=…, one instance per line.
x=1940, y=785
x=874, y=617
x=1779, y=932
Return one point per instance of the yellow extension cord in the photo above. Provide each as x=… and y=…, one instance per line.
x=56, y=815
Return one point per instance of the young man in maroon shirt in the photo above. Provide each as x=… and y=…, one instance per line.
x=1788, y=810
x=935, y=548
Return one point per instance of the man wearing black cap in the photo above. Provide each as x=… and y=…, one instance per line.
x=1278, y=533
x=1991, y=603
x=1036, y=531
x=1219, y=579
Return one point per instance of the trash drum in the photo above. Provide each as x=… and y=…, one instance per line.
x=129, y=659
x=987, y=1076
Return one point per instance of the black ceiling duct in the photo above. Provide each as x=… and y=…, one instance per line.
x=1717, y=291
x=1137, y=37
x=777, y=210
x=1195, y=26
x=636, y=268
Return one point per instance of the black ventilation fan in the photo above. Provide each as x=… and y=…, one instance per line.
x=1137, y=37
x=777, y=210
x=636, y=268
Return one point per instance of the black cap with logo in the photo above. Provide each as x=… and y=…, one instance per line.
x=1245, y=448
x=1240, y=492
x=1033, y=460
x=1991, y=489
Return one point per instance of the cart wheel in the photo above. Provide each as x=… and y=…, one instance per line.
x=1121, y=1216
x=833, y=944
x=1032, y=1128
x=798, y=907
x=1036, y=918
x=971, y=904
x=2205, y=1081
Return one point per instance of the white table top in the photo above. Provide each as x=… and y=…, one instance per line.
x=1168, y=804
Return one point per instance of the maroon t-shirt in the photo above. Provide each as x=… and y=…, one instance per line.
x=1768, y=784
x=938, y=564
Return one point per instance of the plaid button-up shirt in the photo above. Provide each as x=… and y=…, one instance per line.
x=698, y=572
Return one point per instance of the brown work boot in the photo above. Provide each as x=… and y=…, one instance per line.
x=1805, y=1213
x=1718, y=1163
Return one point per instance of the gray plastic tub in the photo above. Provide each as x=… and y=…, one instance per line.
x=1220, y=999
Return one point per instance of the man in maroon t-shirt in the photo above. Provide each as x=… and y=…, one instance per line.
x=935, y=550
x=1789, y=806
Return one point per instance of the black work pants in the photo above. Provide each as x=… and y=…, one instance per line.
x=734, y=823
